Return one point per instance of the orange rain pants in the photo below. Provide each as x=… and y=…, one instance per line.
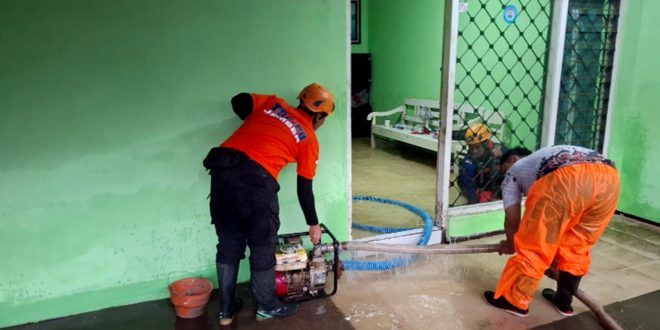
x=566, y=212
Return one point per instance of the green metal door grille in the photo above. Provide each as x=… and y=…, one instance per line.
x=501, y=71
x=587, y=72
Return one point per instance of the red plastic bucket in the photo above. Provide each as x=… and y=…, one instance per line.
x=190, y=296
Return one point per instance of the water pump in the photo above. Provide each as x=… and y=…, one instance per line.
x=302, y=275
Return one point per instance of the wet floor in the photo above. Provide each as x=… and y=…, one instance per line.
x=318, y=314
x=391, y=172
x=635, y=313
x=398, y=172
x=436, y=292
x=444, y=292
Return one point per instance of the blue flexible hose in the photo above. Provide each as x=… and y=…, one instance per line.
x=377, y=229
x=397, y=262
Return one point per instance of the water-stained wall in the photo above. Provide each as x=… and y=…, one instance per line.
x=107, y=109
x=635, y=129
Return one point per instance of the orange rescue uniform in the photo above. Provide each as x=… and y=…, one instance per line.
x=276, y=134
x=566, y=212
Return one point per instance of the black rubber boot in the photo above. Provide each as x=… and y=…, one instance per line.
x=229, y=306
x=503, y=304
x=268, y=305
x=567, y=286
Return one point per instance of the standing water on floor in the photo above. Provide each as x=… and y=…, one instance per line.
x=441, y=291
x=382, y=215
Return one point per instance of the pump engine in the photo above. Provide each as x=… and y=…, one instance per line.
x=302, y=275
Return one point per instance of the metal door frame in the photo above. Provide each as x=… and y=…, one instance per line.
x=559, y=19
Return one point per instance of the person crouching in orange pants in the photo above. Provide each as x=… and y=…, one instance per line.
x=572, y=193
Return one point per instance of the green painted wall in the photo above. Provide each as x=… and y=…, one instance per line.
x=405, y=40
x=460, y=226
x=363, y=46
x=635, y=117
x=107, y=109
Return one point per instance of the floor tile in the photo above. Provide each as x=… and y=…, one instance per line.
x=625, y=262
x=633, y=280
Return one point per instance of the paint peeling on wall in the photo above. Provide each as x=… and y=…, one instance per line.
x=635, y=117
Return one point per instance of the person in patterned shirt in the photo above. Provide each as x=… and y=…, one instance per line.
x=572, y=193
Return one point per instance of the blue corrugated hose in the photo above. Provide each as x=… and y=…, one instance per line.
x=397, y=262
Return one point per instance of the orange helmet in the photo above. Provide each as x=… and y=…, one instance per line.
x=317, y=99
x=477, y=133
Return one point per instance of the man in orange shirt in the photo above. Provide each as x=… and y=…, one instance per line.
x=244, y=205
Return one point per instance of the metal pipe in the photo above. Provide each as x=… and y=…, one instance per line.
x=447, y=89
x=605, y=319
x=417, y=249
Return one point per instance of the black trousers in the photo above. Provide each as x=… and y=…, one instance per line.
x=244, y=208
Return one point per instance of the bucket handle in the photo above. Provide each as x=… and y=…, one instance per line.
x=179, y=275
